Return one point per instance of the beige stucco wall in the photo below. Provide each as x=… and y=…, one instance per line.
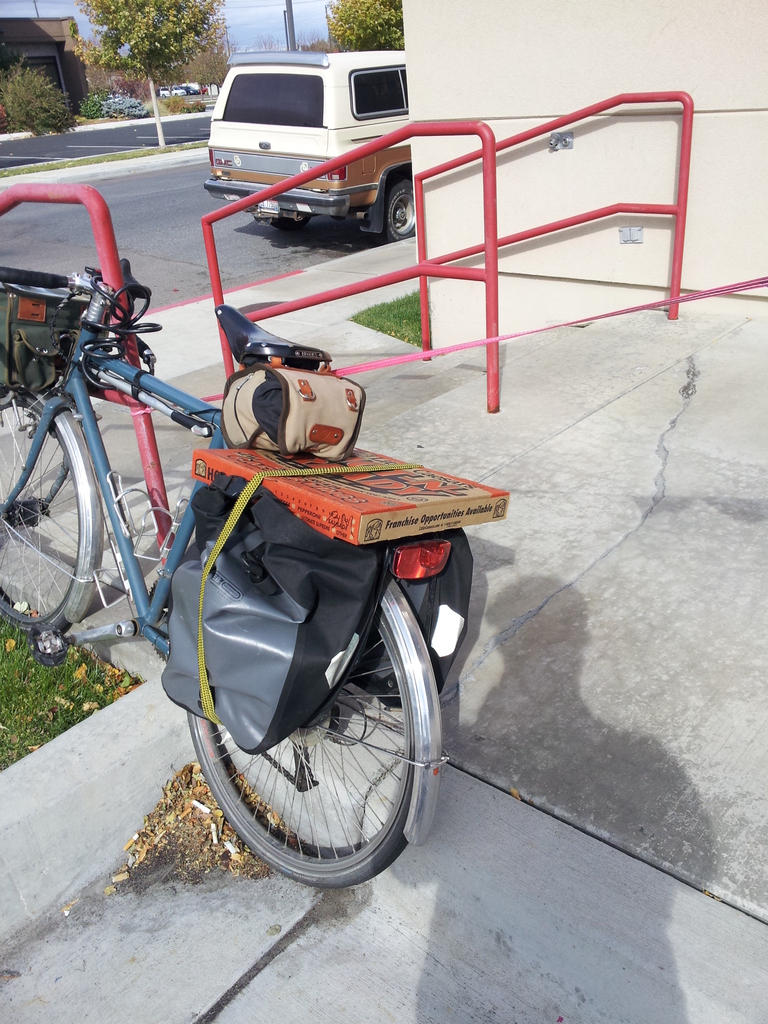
x=519, y=64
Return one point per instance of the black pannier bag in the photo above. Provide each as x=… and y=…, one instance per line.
x=441, y=604
x=282, y=615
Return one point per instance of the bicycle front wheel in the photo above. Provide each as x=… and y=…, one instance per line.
x=328, y=805
x=51, y=535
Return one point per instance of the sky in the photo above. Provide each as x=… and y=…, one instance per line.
x=247, y=20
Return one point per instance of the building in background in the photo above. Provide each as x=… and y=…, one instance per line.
x=517, y=65
x=47, y=45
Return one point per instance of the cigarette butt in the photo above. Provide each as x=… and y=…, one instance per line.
x=214, y=836
x=201, y=807
x=231, y=847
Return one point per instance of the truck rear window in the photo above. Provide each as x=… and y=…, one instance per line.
x=295, y=100
x=382, y=92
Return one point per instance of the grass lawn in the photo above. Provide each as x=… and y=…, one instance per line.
x=400, y=318
x=38, y=703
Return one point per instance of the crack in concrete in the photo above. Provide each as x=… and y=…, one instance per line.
x=687, y=391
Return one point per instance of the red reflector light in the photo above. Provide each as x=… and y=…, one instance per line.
x=210, y=156
x=340, y=174
x=421, y=560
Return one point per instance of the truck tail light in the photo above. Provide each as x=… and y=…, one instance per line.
x=210, y=156
x=340, y=174
x=420, y=560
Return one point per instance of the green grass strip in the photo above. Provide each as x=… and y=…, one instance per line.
x=38, y=703
x=400, y=318
x=108, y=158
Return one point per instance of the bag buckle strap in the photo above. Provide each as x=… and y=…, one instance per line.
x=305, y=390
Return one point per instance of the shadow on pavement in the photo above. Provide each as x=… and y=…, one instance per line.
x=533, y=731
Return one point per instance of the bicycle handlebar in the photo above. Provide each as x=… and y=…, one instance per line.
x=37, y=279
x=33, y=278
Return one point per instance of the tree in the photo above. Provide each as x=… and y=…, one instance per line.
x=151, y=38
x=210, y=66
x=367, y=24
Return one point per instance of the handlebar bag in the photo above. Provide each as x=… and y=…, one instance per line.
x=284, y=410
x=283, y=613
x=28, y=347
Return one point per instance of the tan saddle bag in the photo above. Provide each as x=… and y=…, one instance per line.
x=280, y=409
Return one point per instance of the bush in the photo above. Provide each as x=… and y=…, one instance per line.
x=180, y=105
x=33, y=103
x=123, y=106
x=92, y=106
x=3, y=120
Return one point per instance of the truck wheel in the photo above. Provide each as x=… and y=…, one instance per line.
x=400, y=217
x=288, y=223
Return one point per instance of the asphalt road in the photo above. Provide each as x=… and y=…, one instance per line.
x=156, y=216
x=98, y=141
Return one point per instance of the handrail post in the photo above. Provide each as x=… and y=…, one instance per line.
x=491, y=240
x=421, y=250
x=686, y=134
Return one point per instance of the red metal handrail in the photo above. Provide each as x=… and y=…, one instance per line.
x=109, y=263
x=678, y=210
x=488, y=274
x=436, y=266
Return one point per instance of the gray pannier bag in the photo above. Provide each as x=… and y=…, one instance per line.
x=283, y=614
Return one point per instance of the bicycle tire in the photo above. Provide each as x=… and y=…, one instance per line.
x=51, y=537
x=340, y=819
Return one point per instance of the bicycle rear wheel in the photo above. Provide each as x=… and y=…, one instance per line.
x=51, y=535
x=328, y=805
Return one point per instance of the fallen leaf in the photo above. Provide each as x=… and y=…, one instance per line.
x=121, y=876
x=274, y=929
x=10, y=645
x=110, y=889
x=91, y=705
x=80, y=672
x=65, y=910
x=36, y=747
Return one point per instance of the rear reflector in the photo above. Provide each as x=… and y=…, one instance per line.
x=340, y=174
x=421, y=560
x=210, y=156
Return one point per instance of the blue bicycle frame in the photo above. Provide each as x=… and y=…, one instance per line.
x=148, y=613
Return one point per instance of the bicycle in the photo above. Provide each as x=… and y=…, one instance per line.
x=374, y=760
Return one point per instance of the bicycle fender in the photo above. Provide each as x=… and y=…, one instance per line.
x=428, y=732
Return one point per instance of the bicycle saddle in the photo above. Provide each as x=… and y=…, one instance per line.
x=252, y=344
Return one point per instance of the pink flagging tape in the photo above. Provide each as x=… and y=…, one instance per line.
x=380, y=364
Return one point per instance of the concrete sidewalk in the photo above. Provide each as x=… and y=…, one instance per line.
x=612, y=677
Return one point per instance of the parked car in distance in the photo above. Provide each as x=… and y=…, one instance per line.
x=178, y=90
x=278, y=114
x=164, y=92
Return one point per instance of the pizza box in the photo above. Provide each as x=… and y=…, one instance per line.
x=362, y=507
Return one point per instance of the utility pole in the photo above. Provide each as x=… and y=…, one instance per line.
x=289, y=25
